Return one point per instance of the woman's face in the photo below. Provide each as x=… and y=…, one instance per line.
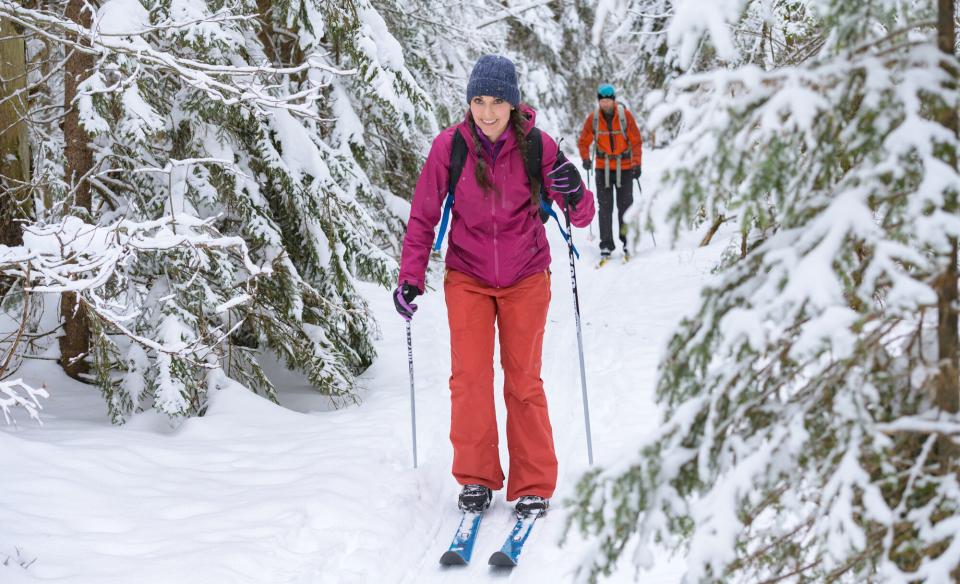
x=491, y=114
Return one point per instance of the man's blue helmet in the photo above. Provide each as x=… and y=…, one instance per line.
x=606, y=91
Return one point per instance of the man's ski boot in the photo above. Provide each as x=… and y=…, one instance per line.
x=604, y=258
x=529, y=505
x=475, y=498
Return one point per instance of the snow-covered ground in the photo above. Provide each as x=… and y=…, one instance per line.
x=257, y=493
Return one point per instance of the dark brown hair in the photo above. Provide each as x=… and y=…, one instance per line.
x=518, y=122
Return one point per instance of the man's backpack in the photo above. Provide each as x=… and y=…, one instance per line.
x=532, y=160
x=599, y=154
x=622, y=116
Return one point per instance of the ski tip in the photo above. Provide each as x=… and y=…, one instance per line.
x=450, y=558
x=502, y=559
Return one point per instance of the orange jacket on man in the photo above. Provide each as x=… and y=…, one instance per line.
x=620, y=145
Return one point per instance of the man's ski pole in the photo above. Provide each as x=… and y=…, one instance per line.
x=639, y=195
x=413, y=403
x=576, y=306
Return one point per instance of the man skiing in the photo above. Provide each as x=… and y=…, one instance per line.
x=613, y=134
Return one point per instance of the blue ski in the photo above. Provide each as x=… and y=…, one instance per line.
x=462, y=547
x=509, y=554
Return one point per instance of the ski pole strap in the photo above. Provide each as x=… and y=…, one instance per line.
x=443, y=222
x=549, y=210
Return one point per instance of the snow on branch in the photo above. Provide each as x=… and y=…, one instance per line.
x=74, y=256
x=692, y=18
x=16, y=393
x=227, y=84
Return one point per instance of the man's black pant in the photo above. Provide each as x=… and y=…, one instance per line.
x=605, y=204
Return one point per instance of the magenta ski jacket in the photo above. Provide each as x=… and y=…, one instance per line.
x=495, y=237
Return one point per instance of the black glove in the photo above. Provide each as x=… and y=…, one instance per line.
x=637, y=172
x=402, y=300
x=566, y=180
x=586, y=165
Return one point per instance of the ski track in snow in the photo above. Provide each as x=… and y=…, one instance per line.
x=256, y=493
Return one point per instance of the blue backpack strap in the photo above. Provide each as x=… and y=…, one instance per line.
x=447, y=205
x=548, y=209
x=458, y=157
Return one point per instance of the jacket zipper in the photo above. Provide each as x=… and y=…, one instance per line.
x=493, y=212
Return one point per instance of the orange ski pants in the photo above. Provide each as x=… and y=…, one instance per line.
x=520, y=312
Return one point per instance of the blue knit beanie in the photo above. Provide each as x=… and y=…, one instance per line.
x=495, y=76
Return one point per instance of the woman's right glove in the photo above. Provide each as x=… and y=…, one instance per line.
x=403, y=300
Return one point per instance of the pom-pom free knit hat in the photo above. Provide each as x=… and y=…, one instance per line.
x=495, y=76
x=606, y=91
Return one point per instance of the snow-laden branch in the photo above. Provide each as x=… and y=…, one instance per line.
x=15, y=394
x=73, y=256
x=513, y=13
x=921, y=425
x=228, y=84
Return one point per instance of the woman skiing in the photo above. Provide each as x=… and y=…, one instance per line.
x=497, y=271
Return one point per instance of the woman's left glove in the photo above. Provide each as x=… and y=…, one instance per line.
x=403, y=300
x=566, y=180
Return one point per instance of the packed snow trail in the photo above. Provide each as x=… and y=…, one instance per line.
x=256, y=493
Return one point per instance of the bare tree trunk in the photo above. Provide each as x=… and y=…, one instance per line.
x=14, y=138
x=75, y=341
x=266, y=28
x=948, y=383
x=720, y=220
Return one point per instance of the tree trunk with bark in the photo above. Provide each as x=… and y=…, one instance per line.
x=948, y=382
x=75, y=340
x=14, y=136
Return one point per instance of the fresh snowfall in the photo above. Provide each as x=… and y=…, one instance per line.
x=204, y=377
x=303, y=493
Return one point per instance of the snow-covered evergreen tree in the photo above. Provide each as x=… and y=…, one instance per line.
x=245, y=192
x=811, y=399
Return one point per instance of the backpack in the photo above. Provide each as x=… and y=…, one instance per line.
x=622, y=116
x=532, y=161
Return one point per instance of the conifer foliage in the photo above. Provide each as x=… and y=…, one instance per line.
x=810, y=401
x=235, y=196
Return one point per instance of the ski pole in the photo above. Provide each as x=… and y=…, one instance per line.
x=576, y=307
x=639, y=195
x=413, y=403
x=590, y=234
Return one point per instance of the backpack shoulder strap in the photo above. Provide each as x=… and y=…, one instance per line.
x=458, y=158
x=533, y=160
x=596, y=126
x=622, y=112
x=533, y=155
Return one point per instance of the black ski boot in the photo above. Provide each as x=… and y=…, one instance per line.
x=529, y=505
x=475, y=498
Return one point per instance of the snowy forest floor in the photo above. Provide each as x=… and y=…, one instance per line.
x=303, y=494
